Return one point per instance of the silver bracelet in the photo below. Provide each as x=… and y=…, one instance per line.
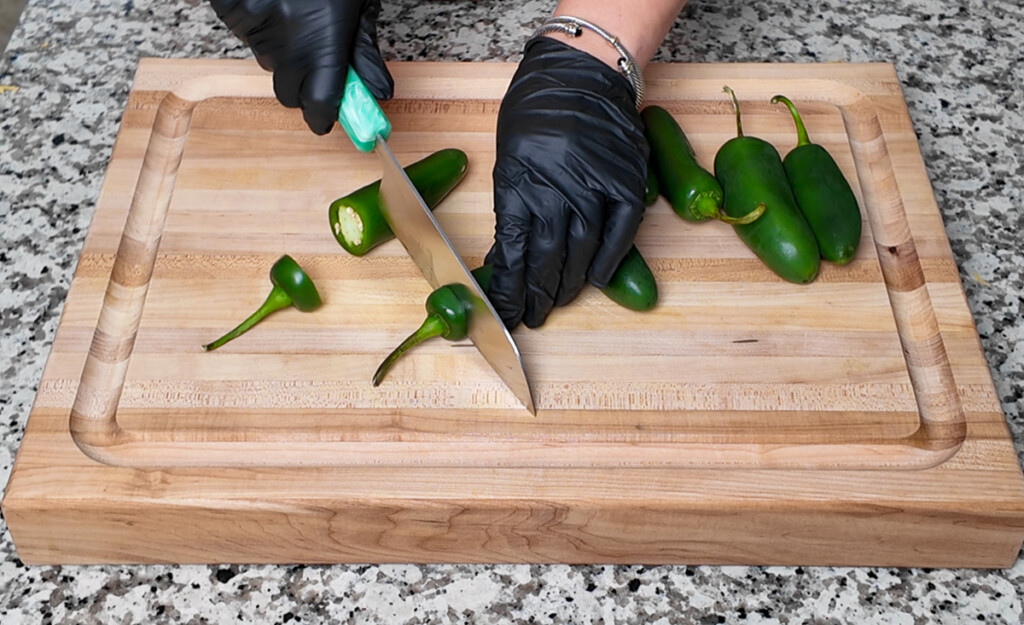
x=573, y=27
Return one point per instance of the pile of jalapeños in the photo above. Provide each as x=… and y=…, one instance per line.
x=791, y=213
x=751, y=172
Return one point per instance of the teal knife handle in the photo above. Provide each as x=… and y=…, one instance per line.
x=360, y=115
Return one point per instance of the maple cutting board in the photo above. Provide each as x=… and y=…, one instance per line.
x=744, y=419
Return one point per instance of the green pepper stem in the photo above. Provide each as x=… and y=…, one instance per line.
x=277, y=300
x=801, y=132
x=736, y=108
x=432, y=326
x=750, y=217
x=706, y=204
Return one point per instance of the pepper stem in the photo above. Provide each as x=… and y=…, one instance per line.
x=736, y=108
x=750, y=217
x=432, y=326
x=801, y=132
x=708, y=205
x=277, y=300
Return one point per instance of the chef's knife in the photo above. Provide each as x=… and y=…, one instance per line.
x=418, y=230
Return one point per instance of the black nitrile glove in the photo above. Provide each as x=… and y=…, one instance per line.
x=309, y=44
x=569, y=180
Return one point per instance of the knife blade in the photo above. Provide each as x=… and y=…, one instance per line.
x=419, y=232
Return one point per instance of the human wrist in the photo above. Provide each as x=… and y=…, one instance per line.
x=639, y=25
x=590, y=43
x=574, y=27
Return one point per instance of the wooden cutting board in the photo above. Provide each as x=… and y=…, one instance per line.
x=745, y=419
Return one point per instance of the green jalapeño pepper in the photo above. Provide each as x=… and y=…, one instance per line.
x=823, y=194
x=291, y=287
x=752, y=175
x=356, y=220
x=448, y=307
x=691, y=190
x=633, y=285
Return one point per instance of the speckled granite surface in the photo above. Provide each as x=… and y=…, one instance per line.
x=962, y=70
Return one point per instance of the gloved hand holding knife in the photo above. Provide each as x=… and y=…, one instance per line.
x=571, y=156
x=309, y=45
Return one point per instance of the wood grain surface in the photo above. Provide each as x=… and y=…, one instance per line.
x=854, y=415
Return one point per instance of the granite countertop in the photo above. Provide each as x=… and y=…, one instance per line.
x=962, y=69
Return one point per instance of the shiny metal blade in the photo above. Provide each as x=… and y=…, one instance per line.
x=418, y=230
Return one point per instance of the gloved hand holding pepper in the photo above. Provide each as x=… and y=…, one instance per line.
x=571, y=164
x=309, y=45
x=571, y=159
x=569, y=180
